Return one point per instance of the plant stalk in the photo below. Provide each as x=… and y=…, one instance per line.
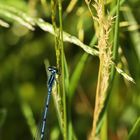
x=62, y=70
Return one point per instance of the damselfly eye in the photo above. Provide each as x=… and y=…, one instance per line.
x=53, y=69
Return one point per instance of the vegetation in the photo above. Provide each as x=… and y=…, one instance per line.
x=95, y=46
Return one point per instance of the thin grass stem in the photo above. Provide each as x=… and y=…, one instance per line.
x=62, y=69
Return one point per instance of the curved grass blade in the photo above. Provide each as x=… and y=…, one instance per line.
x=14, y=17
x=4, y=24
x=135, y=128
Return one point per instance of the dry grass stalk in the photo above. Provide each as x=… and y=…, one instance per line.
x=105, y=56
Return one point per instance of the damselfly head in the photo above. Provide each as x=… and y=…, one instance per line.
x=53, y=69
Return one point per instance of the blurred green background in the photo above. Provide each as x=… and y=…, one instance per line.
x=23, y=77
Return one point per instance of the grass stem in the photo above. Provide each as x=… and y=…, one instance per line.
x=62, y=69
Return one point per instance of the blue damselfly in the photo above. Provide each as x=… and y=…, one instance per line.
x=51, y=79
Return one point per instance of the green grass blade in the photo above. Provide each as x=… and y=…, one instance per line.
x=62, y=57
x=28, y=114
x=77, y=74
x=134, y=35
x=4, y=24
x=3, y=113
x=16, y=15
x=15, y=11
x=135, y=128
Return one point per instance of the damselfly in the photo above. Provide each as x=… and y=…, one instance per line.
x=51, y=79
